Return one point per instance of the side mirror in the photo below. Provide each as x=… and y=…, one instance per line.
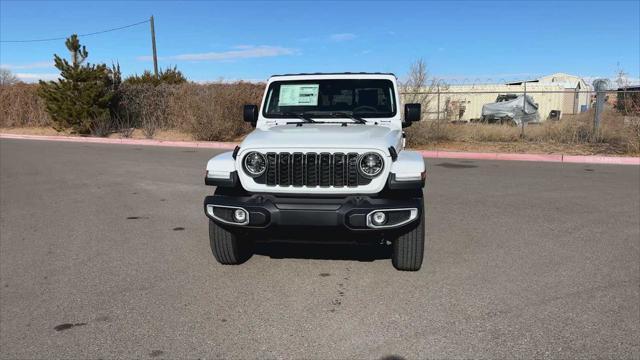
x=412, y=112
x=250, y=114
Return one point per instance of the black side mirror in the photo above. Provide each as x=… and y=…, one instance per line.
x=412, y=112
x=250, y=114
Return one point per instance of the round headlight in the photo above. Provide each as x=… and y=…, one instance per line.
x=254, y=164
x=370, y=165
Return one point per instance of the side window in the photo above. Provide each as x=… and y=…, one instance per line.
x=270, y=104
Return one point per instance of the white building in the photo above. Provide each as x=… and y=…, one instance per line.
x=561, y=92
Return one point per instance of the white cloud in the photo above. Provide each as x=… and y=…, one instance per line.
x=342, y=37
x=239, y=52
x=34, y=77
x=34, y=65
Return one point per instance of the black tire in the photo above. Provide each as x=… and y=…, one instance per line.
x=408, y=248
x=228, y=248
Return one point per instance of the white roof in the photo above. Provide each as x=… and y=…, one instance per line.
x=315, y=76
x=565, y=80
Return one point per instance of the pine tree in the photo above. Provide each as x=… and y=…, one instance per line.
x=83, y=93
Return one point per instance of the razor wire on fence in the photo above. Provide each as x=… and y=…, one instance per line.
x=533, y=105
x=511, y=105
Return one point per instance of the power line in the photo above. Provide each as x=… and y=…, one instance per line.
x=64, y=37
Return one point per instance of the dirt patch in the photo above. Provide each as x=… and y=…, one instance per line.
x=167, y=135
x=36, y=130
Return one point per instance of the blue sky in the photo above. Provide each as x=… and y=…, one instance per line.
x=459, y=41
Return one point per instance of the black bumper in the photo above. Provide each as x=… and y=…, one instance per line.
x=270, y=211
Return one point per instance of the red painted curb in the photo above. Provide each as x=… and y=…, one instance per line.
x=575, y=159
x=595, y=159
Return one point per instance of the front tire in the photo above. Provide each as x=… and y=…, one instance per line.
x=408, y=248
x=228, y=248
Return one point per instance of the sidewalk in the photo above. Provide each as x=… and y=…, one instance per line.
x=559, y=158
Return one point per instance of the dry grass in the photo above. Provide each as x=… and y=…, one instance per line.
x=32, y=130
x=168, y=135
x=617, y=135
x=20, y=106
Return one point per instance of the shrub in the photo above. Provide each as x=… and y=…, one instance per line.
x=169, y=76
x=20, y=105
x=214, y=111
x=144, y=106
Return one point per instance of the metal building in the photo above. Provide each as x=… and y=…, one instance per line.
x=565, y=93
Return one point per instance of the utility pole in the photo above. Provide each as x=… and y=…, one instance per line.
x=153, y=44
x=524, y=110
x=600, y=86
x=438, y=113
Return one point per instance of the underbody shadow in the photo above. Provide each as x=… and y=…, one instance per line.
x=331, y=251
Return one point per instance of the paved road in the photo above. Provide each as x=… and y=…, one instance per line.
x=523, y=260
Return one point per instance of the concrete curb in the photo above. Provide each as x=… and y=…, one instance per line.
x=575, y=159
x=144, y=142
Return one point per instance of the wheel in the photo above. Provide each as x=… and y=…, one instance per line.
x=408, y=248
x=228, y=248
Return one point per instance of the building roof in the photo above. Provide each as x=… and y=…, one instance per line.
x=565, y=80
x=629, y=88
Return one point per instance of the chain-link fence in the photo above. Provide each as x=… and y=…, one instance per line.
x=606, y=120
x=520, y=105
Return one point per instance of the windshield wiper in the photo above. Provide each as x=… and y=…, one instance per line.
x=353, y=117
x=302, y=116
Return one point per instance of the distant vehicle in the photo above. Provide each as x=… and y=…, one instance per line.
x=327, y=157
x=511, y=109
x=506, y=97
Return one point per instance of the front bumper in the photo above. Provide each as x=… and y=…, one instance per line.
x=352, y=212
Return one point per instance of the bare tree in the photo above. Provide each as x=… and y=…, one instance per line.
x=421, y=88
x=622, y=79
x=7, y=77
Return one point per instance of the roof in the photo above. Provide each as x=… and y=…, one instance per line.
x=337, y=73
x=565, y=80
x=629, y=88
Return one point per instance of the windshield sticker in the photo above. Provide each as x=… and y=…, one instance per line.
x=299, y=95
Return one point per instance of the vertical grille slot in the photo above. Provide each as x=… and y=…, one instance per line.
x=284, y=171
x=272, y=161
x=339, y=169
x=325, y=169
x=298, y=169
x=312, y=169
x=352, y=169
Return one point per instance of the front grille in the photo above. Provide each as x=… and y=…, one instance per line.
x=312, y=169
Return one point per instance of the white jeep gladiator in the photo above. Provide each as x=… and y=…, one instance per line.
x=326, y=162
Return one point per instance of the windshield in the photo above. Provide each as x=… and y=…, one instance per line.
x=330, y=98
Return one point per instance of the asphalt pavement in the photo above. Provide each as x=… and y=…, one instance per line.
x=104, y=253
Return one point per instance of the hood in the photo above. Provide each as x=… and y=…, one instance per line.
x=327, y=136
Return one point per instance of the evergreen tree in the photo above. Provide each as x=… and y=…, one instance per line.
x=83, y=92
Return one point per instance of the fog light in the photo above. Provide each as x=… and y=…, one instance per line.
x=378, y=218
x=240, y=215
